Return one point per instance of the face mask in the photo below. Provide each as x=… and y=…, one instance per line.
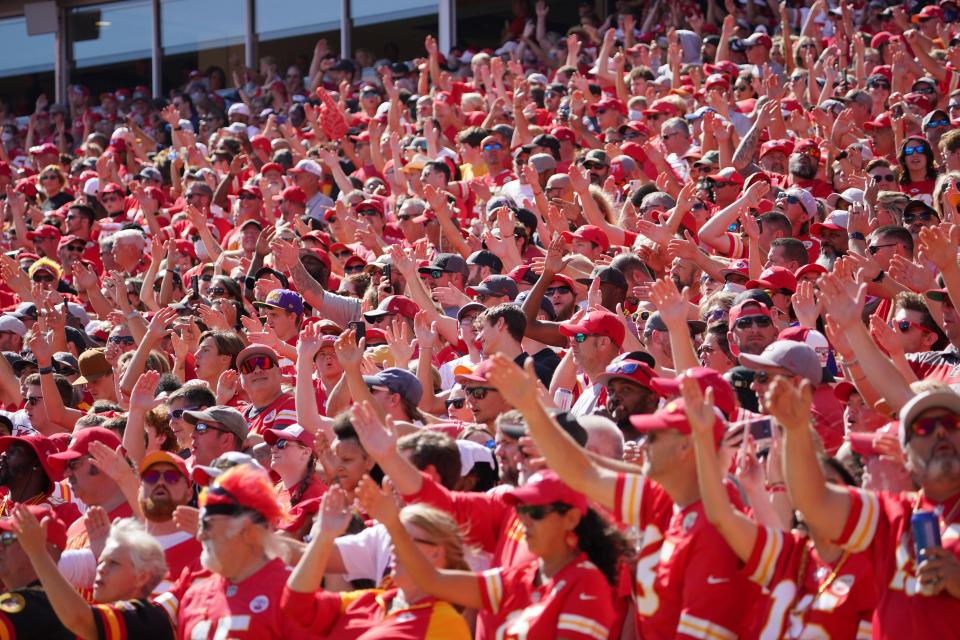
x=636, y=114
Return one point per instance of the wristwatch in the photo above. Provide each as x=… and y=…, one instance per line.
x=856, y=235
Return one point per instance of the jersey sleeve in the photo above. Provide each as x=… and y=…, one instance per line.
x=587, y=612
x=770, y=557
x=316, y=612
x=491, y=589
x=628, y=498
x=713, y=590
x=862, y=523
x=481, y=514
x=126, y=620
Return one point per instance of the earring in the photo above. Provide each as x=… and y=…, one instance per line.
x=572, y=540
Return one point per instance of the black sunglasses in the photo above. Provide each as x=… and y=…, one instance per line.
x=456, y=403
x=478, y=393
x=540, y=511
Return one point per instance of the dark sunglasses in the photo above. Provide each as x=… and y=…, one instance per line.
x=177, y=414
x=379, y=319
x=39, y=278
x=762, y=322
x=919, y=148
x=457, y=403
x=368, y=213
x=590, y=164
x=170, y=476
x=581, y=337
x=76, y=248
x=280, y=445
x=879, y=85
x=357, y=268
x=253, y=364
x=435, y=274
x=121, y=340
x=884, y=177
x=207, y=277
x=925, y=89
x=492, y=147
x=553, y=291
x=540, y=511
x=247, y=196
x=762, y=377
x=933, y=124
x=924, y=427
x=923, y=216
x=343, y=255
x=478, y=393
x=218, y=291
x=874, y=249
x=904, y=326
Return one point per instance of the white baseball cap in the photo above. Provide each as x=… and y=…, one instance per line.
x=308, y=166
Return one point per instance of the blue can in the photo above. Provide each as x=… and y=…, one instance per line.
x=926, y=531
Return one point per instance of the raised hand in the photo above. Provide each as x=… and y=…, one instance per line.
x=377, y=502
x=517, y=386
x=699, y=408
x=349, y=353
x=228, y=384
x=845, y=309
x=805, y=305
x=425, y=330
x=111, y=462
x=671, y=303
x=187, y=519
x=790, y=404
x=96, y=521
x=143, y=395
x=400, y=341
x=379, y=437
x=286, y=255
x=160, y=323
x=939, y=245
x=334, y=516
x=889, y=339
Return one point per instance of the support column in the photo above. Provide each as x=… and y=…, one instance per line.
x=250, y=38
x=447, y=24
x=156, y=54
x=61, y=60
x=346, y=28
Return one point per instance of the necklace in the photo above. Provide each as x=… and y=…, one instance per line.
x=834, y=572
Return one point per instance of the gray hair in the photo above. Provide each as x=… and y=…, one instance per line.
x=130, y=235
x=145, y=551
x=603, y=436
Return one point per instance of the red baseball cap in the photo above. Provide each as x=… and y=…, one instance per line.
x=294, y=194
x=727, y=174
x=394, y=305
x=882, y=121
x=590, y=233
x=724, y=397
x=717, y=79
x=564, y=133
x=56, y=529
x=674, y=416
x=809, y=268
x=42, y=446
x=545, y=488
x=773, y=146
x=524, y=273
x=929, y=11
x=44, y=149
x=630, y=370
x=44, y=231
x=598, y=322
x=251, y=190
x=370, y=203
x=774, y=278
x=609, y=103
x=271, y=166
x=80, y=445
x=242, y=488
x=566, y=280
x=479, y=374
x=112, y=187
x=293, y=432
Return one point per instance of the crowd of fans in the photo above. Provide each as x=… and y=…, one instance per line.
x=644, y=329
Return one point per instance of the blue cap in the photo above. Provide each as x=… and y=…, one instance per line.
x=398, y=380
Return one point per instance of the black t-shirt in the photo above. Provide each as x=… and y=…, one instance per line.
x=26, y=613
x=545, y=362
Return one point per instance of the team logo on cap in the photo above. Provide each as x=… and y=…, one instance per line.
x=273, y=297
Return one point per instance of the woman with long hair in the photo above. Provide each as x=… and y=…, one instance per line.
x=918, y=167
x=402, y=611
x=53, y=183
x=293, y=459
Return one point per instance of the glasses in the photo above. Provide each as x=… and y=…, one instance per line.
x=919, y=148
x=740, y=87
x=809, y=45
x=793, y=200
x=874, y=249
x=773, y=292
x=250, y=365
x=171, y=476
x=379, y=319
x=368, y=213
x=762, y=377
x=177, y=414
x=246, y=196
x=434, y=274
x=580, y=338
x=698, y=206
x=762, y=322
x=716, y=314
x=457, y=403
x=469, y=319
x=39, y=278
x=924, y=89
x=558, y=291
x=924, y=427
x=924, y=216
x=34, y=401
x=121, y=340
x=357, y=268
x=280, y=445
x=879, y=85
x=590, y=164
x=492, y=147
x=50, y=176
x=76, y=248
x=478, y=393
x=905, y=325
x=884, y=177
x=540, y=511
x=343, y=255
x=933, y=124
x=202, y=427
x=628, y=368
x=218, y=291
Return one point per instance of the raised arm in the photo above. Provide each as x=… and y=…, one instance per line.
x=519, y=388
x=738, y=530
x=674, y=308
x=331, y=523
x=141, y=401
x=379, y=439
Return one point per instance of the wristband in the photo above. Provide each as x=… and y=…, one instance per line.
x=856, y=235
x=849, y=363
x=44, y=370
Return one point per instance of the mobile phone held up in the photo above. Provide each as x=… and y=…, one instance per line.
x=360, y=328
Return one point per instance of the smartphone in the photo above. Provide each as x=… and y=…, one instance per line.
x=360, y=328
x=195, y=286
x=387, y=271
x=761, y=429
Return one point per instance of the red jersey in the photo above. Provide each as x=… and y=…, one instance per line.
x=366, y=615
x=215, y=608
x=279, y=414
x=809, y=597
x=489, y=522
x=182, y=551
x=576, y=603
x=879, y=524
x=688, y=580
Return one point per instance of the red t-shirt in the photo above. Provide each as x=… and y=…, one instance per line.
x=828, y=600
x=879, y=525
x=576, y=603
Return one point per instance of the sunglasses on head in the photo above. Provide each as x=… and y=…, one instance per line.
x=553, y=291
x=456, y=403
x=924, y=427
x=540, y=511
x=912, y=149
x=762, y=322
x=258, y=362
x=170, y=476
x=478, y=393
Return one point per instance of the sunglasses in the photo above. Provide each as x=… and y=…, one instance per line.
x=250, y=365
x=357, y=268
x=7, y=538
x=910, y=218
x=34, y=401
x=874, y=249
x=434, y=274
x=773, y=292
x=280, y=445
x=207, y=277
x=904, y=326
x=177, y=414
x=590, y=164
x=343, y=255
x=762, y=322
x=909, y=151
x=558, y=291
x=540, y=511
x=38, y=278
x=457, y=403
x=202, y=427
x=884, y=177
x=762, y=377
x=121, y=340
x=492, y=147
x=247, y=196
x=478, y=393
x=716, y=314
x=368, y=213
x=379, y=319
x=76, y=248
x=924, y=427
x=933, y=124
x=582, y=337
x=628, y=368
x=170, y=476
x=879, y=85
x=50, y=176
x=925, y=89
x=793, y=200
